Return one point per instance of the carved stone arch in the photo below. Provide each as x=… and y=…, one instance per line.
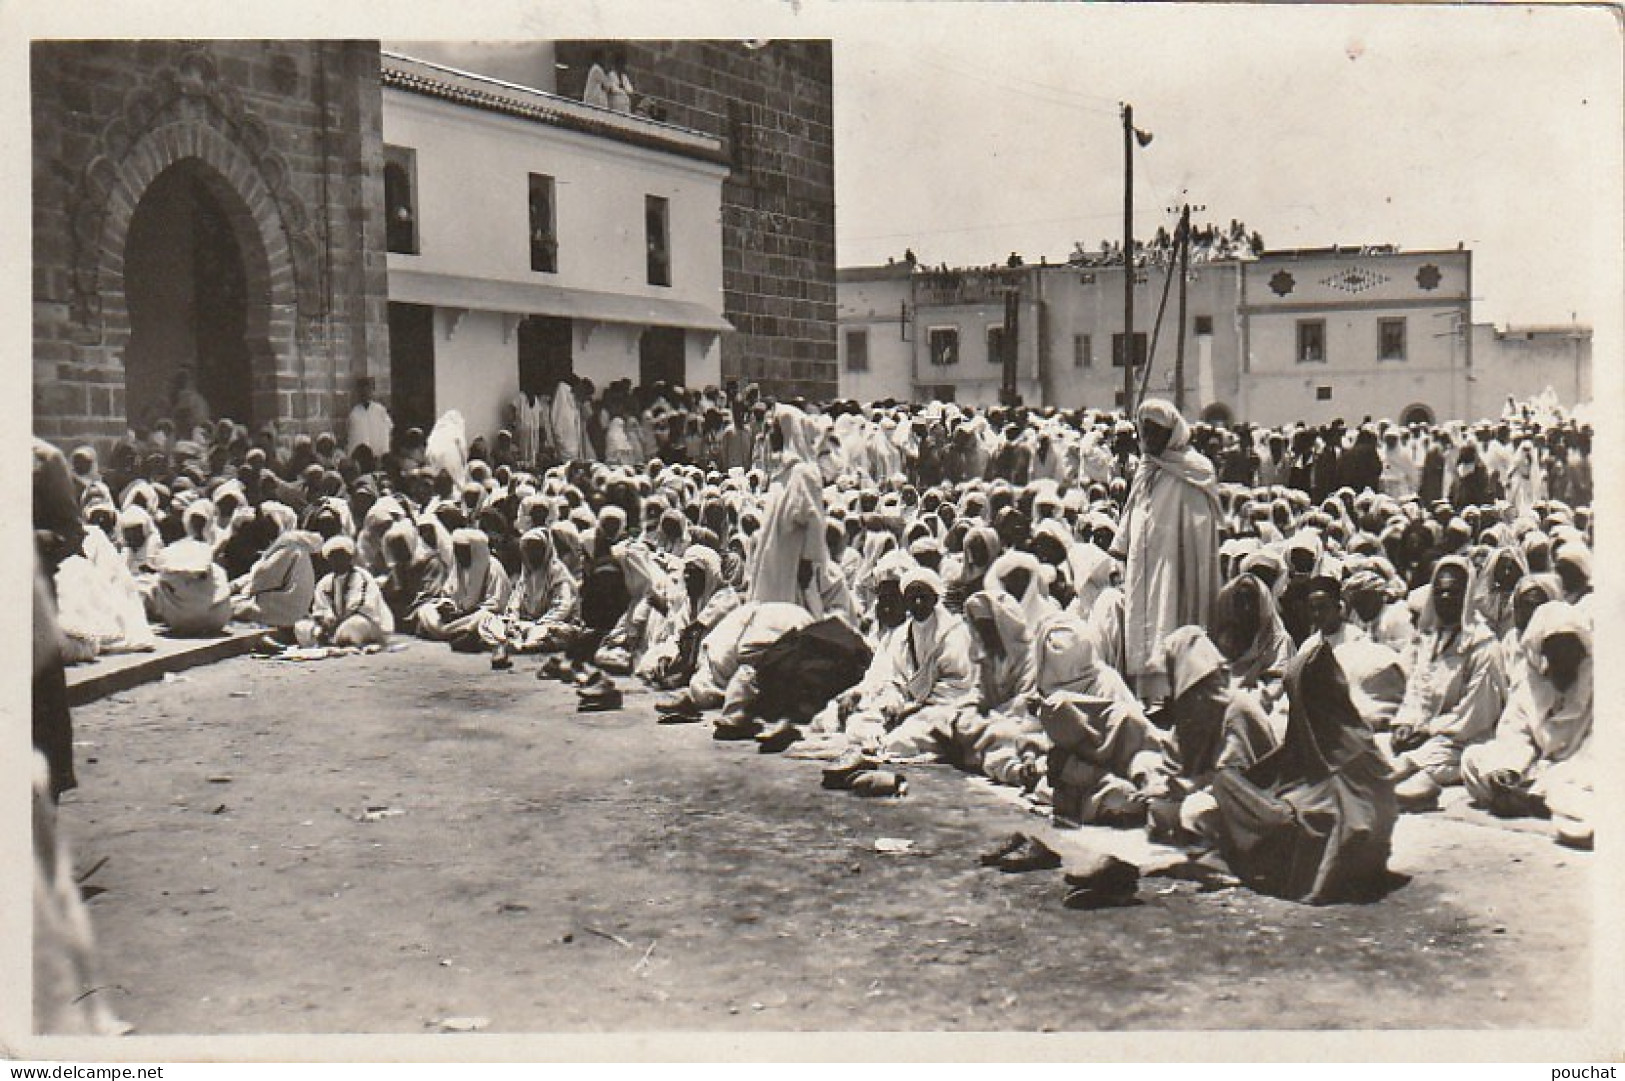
x=251, y=210
x=193, y=107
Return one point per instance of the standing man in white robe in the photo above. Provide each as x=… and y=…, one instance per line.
x=370, y=423
x=1169, y=540
x=793, y=525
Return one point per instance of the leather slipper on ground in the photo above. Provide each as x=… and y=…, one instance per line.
x=600, y=702
x=1577, y=835
x=1104, y=873
x=1088, y=899
x=879, y=782
x=838, y=777
x=734, y=731
x=776, y=737
x=678, y=718
x=1033, y=855
x=1006, y=847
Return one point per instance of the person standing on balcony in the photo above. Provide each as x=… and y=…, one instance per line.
x=620, y=85
x=598, y=82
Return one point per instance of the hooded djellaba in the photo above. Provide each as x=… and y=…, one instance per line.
x=1313, y=819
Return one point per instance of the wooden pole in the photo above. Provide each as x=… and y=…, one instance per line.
x=1128, y=260
x=1184, y=272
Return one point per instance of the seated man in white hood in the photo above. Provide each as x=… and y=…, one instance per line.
x=932, y=676
x=1539, y=763
x=349, y=608
x=190, y=594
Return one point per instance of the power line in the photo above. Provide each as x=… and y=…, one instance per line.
x=982, y=228
x=1049, y=98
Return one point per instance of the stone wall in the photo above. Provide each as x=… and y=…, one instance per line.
x=287, y=136
x=774, y=106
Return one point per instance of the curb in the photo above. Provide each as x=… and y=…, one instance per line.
x=112, y=675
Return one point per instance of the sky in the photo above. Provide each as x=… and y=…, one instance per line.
x=966, y=130
x=969, y=131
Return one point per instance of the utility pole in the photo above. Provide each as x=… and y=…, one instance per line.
x=1183, y=240
x=1128, y=260
x=1131, y=135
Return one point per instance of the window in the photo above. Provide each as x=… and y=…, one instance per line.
x=1323, y=394
x=857, y=350
x=944, y=345
x=544, y=240
x=1082, y=351
x=1311, y=341
x=1391, y=339
x=995, y=343
x=400, y=200
x=1139, y=349
x=1204, y=324
x=657, y=225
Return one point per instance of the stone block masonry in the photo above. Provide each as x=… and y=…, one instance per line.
x=286, y=136
x=774, y=107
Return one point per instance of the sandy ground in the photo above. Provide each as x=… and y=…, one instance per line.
x=542, y=870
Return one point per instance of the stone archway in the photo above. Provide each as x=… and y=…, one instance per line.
x=1416, y=414
x=187, y=269
x=239, y=196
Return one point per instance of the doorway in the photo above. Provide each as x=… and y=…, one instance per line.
x=186, y=284
x=661, y=356
x=546, y=353
x=411, y=366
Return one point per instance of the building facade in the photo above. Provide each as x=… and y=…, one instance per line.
x=877, y=333
x=534, y=237
x=213, y=209
x=772, y=104
x=1523, y=362
x=228, y=210
x=1307, y=335
x=1337, y=332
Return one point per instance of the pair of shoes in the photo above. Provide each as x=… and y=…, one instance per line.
x=587, y=681
x=839, y=776
x=679, y=709
x=776, y=737
x=554, y=667
x=735, y=729
x=600, y=701
x=1033, y=855
x=1004, y=848
x=878, y=782
x=600, y=696
x=1103, y=874
x=501, y=661
x=1417, y=793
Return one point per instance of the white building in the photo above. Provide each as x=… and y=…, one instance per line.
x=1304, y=335
x=874, y=306
x=1340, y=332
x=532, y=237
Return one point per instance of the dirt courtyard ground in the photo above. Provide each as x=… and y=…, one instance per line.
x=376, y=844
